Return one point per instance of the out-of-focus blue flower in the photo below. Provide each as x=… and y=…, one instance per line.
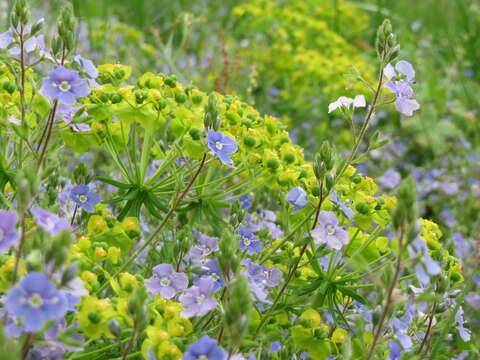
x=449, y=187
x=346, y=102
x=36, y=300
x=8, y=233
x=474, y=187
x=249, y=242
x=427, y=266
x=205, y=348
x=6, y=39
x=275, y=347
x=464, y=333
x=197, y=300
x=246, y=201
x=297, y=197
x=448, y=218
x=84, y=197
x=346, y=211
x=49, y=222
x=329, y=232
x=395, y=350
x=222, y=146
x=64, y=85
x=390, y=179
x=399, y=79
x=166, y=282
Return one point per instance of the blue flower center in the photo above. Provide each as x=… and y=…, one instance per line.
x=35, y=301
x=82, y=198
x=219, y=145
x=2, y=234
x=330, y=229
x=202, y=357
x=247, y=241
x=201, y=299
x=164, y=281
x=64, y=86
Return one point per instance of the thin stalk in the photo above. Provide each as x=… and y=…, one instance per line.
x=388, y=301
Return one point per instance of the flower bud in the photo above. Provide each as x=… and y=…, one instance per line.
x=406, y=210
x=237, y=310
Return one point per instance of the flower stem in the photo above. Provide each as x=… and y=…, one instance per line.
x=388, y=301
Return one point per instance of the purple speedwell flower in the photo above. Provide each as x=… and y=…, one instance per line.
x=465, y=333
x=298, y=198
x=222, y=146
x=399, y=79
x=329, y=232
x=358, y=101
x=49, y=222
x=197, y=300
x=166, y=282
x=84, y=197
x=208, y=245
x=8, y=233
x=88, y=68
x=36, y=300
x=347, y=212
x=249, y=242
x=260, y=278
x=390, y=179
x=204, y=349
x=64, y=85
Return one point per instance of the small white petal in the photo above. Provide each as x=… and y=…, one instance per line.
x=359, y=101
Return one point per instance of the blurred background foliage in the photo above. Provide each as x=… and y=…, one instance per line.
x=291, y=58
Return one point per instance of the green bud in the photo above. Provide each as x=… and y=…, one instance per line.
x=115, y=98
x=319, y=167
x=329, y=181
x=104, y=97
x=289, y=157
x=170, y=81
x=160, y=309
x=455, y=276
x=326, y=155
x=406, y=211
x=316, y=191
x=237, y=310
x=249, y=141
x=363, y=208
x=211, y=118
x=273, y=163
x=140, y=96
x=180, y=98
x=37, y=27
x=195, y=133
x=119, y=74
x=9, y=87
x=95, y=317
x=357, y=179
x=197, y=98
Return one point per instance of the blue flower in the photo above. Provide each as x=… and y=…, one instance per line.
x=249, y=242
x=275, y=347
x=49, y=222
x=346, y=211
x=88, y=68
x=246, y=201
x=298, y=198
x=465, y=333
x=36, y=300
x=399, y=79
x=222, y=146
x=8, y=233
x=64, y=85
x=390, y=179
x=328, y=232
x=84, y=197
x=166, y=282
x=204, y=349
